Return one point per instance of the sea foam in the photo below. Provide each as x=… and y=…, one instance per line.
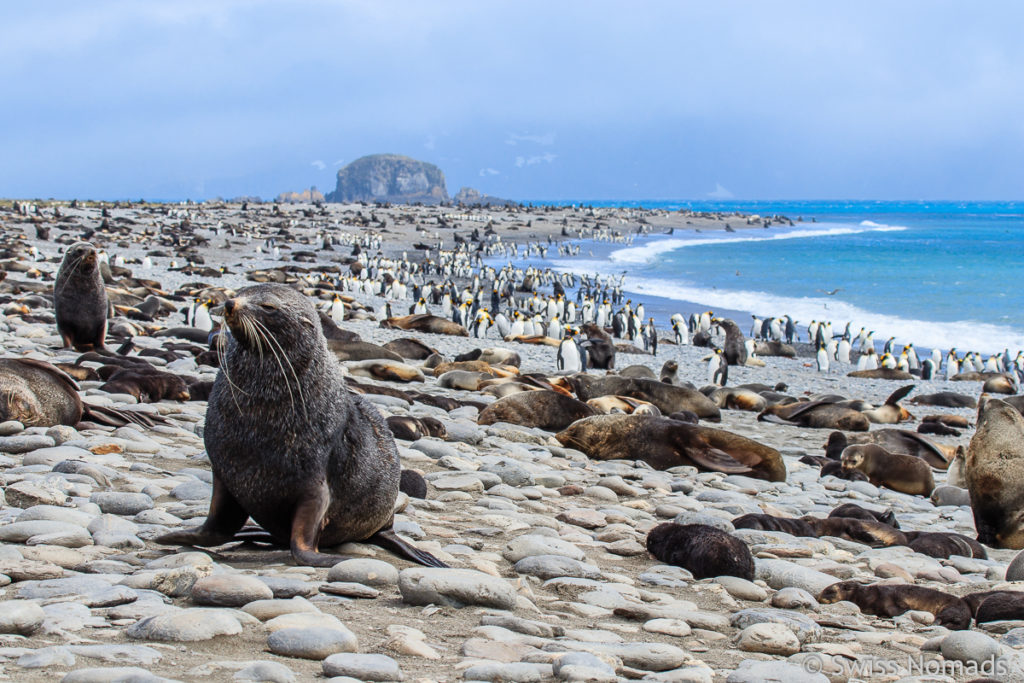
x=650, y=251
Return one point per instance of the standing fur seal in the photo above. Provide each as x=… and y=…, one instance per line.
x=995, y=475
x=704, y=551
x=288, y=444
x=80, y=300
x=894, y=600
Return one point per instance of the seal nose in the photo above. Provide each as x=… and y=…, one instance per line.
x=229, y=305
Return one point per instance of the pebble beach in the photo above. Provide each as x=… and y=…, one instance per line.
x=551, y=579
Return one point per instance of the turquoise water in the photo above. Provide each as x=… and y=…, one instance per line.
x=938, y=274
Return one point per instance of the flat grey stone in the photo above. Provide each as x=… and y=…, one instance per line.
x=23, y=443
x=513, y=672
x=312, y=643
x=121, y=503
x=551, y=566
x=127, y=674
x=530, y=545
x=229, y=590
x=751, y=671
x=454, y=587
x=22, y=617
x=970, y=646
x=805, y=628
x=265, y=672
x=186, y=625
x=782, y=574
x=363, y=667
x=366, y=571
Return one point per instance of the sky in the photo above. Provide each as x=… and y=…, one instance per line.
x=527, y=100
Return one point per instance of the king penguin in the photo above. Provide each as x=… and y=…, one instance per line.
x=718, y=368
x=570, y=358
x=822, y=358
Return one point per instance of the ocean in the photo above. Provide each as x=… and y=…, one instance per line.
x=935, y=274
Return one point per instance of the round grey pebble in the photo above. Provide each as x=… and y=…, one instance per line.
x=970, y=646
x=21, y=617
x=265, y=672
x=229, y=590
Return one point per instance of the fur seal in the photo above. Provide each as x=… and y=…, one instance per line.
x=148, y=385
x=854, y=511
x=622, y=404
x=410, y=349
x=38, y=394
x=669, y=372
x=793, y=526
x=662, y=443
x=881, y=373
x=816, y=415
x=289, y=446
x=994, y=466
x=999, y=385
x=704, y=551
x=996, y=605
x=360, y=350
x=667, y=397
x=774, y=348
x=891, y=412
x=734, y=348
x=425, y=322
x=735, y=398
x=896, y=471
x=80, y=300
x=945, y=399
x=414, y=428
x=544, y=409
x=892, y=440
x=385, y=370
x=889, y=600
x=637, y=372
x=492, y=356
x=465, y=380
x=943, y=544
x=893, y=600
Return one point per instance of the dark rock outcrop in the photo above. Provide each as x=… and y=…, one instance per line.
x=470, y=197
x=389, y=178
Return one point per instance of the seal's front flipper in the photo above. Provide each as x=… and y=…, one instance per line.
x=389, y=540
x=226, y=516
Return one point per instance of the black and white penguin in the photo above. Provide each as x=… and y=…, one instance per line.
x=650, y=336
x=718, y=368
x=201, y=319
x=927, y=368
x=822, y=358
x=570, y=357
x=888, y=345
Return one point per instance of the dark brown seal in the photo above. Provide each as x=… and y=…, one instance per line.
x=38, y=394
x=788, y=525
x=289, y=446
x=669, y=398
x=704, y=551
x=892, y=440
x=426, y=323
x=817, y=415
x=547, y=410
x=662, y=443
x=80, y=299
x=148, y=385
x=893, y=600
x=414, y=428
x=854, y=511
x=896, y=471
x=944, y=544
x=994, y=467
x=996, y=605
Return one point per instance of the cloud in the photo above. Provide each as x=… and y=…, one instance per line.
x=431, y=142
x=720, y=192
x=319, y=165
x=546, y=139
x=339, y=162
x=489, y=171
x=545, y=158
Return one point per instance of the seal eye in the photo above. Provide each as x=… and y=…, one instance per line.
x=268, y=307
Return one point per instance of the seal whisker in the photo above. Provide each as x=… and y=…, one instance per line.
x=222, y=344
x=272, y=342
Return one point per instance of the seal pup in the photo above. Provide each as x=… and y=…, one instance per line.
x=893, y=600
x=80, y=300
x=289, y=446
x=704, y=551
x=891, y=412
x=896, y=471
x=994, y=468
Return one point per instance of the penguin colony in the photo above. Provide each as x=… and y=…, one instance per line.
x=452, y=273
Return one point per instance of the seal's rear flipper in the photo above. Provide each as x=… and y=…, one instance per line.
x=389, y=540
x=118, y=418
